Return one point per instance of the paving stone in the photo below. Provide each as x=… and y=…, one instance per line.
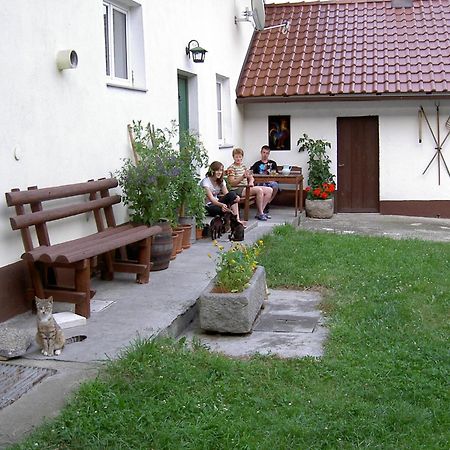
x=14, y=342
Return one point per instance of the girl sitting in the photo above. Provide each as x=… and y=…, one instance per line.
x=218, y=200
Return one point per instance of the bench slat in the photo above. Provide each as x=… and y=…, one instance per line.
x=85, y=248
x=57, y=249
x=39, y=217
x=52, y=193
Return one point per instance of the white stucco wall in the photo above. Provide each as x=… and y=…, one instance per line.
x=70, y=126
x=402, y=158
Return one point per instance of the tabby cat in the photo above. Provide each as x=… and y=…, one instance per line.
x=49, y=336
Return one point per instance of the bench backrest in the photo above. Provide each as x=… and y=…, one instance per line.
x=37, y=216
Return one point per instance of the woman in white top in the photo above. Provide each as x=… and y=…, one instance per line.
x=218, y=200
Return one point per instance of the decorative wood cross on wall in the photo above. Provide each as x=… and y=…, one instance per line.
x=437, y=140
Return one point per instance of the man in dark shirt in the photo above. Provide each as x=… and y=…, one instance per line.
x=264, y=166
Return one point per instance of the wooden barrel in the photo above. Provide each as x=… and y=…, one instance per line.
x=162, y=245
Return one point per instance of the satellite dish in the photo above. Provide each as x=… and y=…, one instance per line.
x=259, y=18
x=258, y=14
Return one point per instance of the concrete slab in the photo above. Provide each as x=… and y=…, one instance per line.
x=396, y=227
x=289, y=326
x=68, y=319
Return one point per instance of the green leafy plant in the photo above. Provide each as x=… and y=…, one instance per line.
x=192, y=158
x=149, y=184
x=320, y=179
x=164, y=181
x=235, y=266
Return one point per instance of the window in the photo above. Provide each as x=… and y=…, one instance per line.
x=219, y=111
x=223, y=111
x=124, y=44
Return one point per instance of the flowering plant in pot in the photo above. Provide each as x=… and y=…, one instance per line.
x=236, y=266
x=148, y=184
x=232, y=300
x=319, y=192
x=148, y=187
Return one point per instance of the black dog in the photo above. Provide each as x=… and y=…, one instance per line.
x=237, y=229
x=227, y=222
x=216, y=227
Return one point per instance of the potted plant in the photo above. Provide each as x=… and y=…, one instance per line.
x=232, y=300
x=319, y=192
x=148, y=186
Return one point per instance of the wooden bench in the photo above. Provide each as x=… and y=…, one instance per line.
x=103, y=251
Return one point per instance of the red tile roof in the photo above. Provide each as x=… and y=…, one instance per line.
x=349, y=49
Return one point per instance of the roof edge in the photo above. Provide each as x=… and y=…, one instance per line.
x=343, y=97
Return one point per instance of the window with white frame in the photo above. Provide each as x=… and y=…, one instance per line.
x=219, y=111
x=223, y=110
x=124, y=44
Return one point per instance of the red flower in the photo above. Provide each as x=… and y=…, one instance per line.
x=321, y=192
x=317, y=192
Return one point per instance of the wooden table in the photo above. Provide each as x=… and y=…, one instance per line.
x=292, y=178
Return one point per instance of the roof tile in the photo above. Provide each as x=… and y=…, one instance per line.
x=349, y=47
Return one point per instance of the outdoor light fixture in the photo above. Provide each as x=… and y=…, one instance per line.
x=198, y=53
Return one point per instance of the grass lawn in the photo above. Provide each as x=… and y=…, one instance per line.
x=382, y=384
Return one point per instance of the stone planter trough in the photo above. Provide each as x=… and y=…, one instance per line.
x=232, y=312
x=319, y=209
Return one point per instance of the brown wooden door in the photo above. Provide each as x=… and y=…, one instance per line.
x=358, y=167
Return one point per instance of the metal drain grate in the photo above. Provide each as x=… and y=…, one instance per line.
x=15, y=380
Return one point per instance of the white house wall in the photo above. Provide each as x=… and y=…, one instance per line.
x=69, y=126
x=402, y=159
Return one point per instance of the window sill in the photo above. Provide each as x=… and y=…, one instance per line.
x=130, y=88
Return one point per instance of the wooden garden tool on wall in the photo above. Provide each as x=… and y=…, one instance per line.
x=437, y=140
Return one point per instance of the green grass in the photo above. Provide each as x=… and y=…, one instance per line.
x=382, y=384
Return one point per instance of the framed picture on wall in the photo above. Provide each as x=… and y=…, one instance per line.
x=279, y=132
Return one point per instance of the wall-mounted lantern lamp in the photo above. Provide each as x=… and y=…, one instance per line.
x=66, y=59
x=198, y=53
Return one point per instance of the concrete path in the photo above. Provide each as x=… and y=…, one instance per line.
x=165, y=307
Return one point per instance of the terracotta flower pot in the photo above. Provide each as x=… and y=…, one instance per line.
x=186, y=235
x=180, y=233
x=175, y=239
x=198, y=233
